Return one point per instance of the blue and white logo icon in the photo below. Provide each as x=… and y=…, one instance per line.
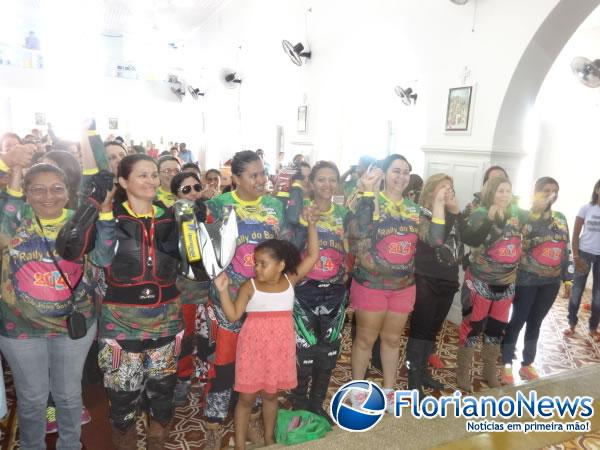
x=362, y=417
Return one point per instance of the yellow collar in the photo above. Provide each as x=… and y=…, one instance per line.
x=59, y=219
x=139, y=216
x=397, y=203
x=245, y=202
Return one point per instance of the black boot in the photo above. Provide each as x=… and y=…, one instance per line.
x=298, y=396
x=318, y=392
x=413, y=364
x=426, y=379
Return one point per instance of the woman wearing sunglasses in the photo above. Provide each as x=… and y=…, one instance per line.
x=194, y=295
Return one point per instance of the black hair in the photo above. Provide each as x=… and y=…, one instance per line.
x=241, y=160
x=415, y=184
x=323, y=165
x=124, y=170
x=387, y=162
x=595, y=193
x=139, y=149
x=543, y=181
x=117, y=143
x=190, y=165
x=282, y=251
x=486, y=175
x=164, y=159
x=303, y=164
x=178, y=179
x=212, y=171
x=72, y=170
x=37, y=169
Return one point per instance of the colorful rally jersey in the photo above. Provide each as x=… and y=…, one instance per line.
x=331, y=265
x=35, y=298
x=495, y=260
x=546, y=254
x=385, y=260
x=257, y=221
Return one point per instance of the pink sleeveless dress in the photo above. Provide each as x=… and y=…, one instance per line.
x=266, y=347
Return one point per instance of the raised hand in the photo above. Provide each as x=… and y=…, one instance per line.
x=222, y=282
x=496, y=211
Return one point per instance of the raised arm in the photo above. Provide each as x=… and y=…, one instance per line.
x=312, y=216
x=233, y=311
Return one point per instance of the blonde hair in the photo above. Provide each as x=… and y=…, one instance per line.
x=431, y=184
x=489, y=190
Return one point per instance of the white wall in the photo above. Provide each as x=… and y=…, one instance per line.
x=361, y=51
x=569, y=115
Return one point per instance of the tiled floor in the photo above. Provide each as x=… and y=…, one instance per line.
x=555, y=354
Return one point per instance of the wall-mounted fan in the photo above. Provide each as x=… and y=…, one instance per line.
x=587, y=71
x=407, y=95
x=177, y=86
x=230, y=78
x=295, y=52
x=195, y=92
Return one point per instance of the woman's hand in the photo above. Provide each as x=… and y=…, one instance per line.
x=208, y=192
x=450, y=202
x=222, y=282
x=566, y=293
x=495, y=211
x=107, y=204
x=311, y=214
x=370, y=181
x=580, y=264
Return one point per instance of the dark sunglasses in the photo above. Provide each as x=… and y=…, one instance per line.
x=187, y=189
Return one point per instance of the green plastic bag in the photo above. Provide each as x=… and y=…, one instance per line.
x=295, y=427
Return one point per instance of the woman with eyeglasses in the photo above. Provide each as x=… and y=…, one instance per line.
x=168, y=167
x=39, y=291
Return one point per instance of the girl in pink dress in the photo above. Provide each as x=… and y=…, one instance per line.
x=266, y=348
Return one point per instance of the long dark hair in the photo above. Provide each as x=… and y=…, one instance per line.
x=594, y=200
x=124, y=170
x=282, y=251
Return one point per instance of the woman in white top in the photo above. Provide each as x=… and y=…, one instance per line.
x=586, y=255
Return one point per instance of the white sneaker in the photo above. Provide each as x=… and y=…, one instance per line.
x=390, y=399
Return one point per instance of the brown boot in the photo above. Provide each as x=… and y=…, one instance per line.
x=157, y=434
x=463, y=368
x=489, y=355
x=213, y=436
x=125, y=440
x=256, y=432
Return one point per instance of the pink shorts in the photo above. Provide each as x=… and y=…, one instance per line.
x=378, y=300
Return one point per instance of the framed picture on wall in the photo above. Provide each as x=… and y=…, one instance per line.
x=40, y=119
x=302, y=113
x=113, y=123
x=458, y=114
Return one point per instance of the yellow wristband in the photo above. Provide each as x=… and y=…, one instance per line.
x=92, y=133
x=438, y=221
x=568, y=283
x=297, y=184
x=13, y=193
x=366, y=194
x=3, y=166
x=106, y=216
x=283, y=194
x=93, y=171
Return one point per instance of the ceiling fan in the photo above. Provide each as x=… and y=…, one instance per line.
x=587, y=71
x=195, y=92
x=230, y=79
x=407, y=95
x=295, y=52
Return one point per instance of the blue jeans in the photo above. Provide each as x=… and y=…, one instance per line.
x=40, y=366
x=530, y=306
x=592, y=262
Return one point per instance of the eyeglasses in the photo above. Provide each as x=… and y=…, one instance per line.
x=40, y=191
x=188, y=188
x=170, y=171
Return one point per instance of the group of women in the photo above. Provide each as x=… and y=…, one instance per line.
x=116, y=261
